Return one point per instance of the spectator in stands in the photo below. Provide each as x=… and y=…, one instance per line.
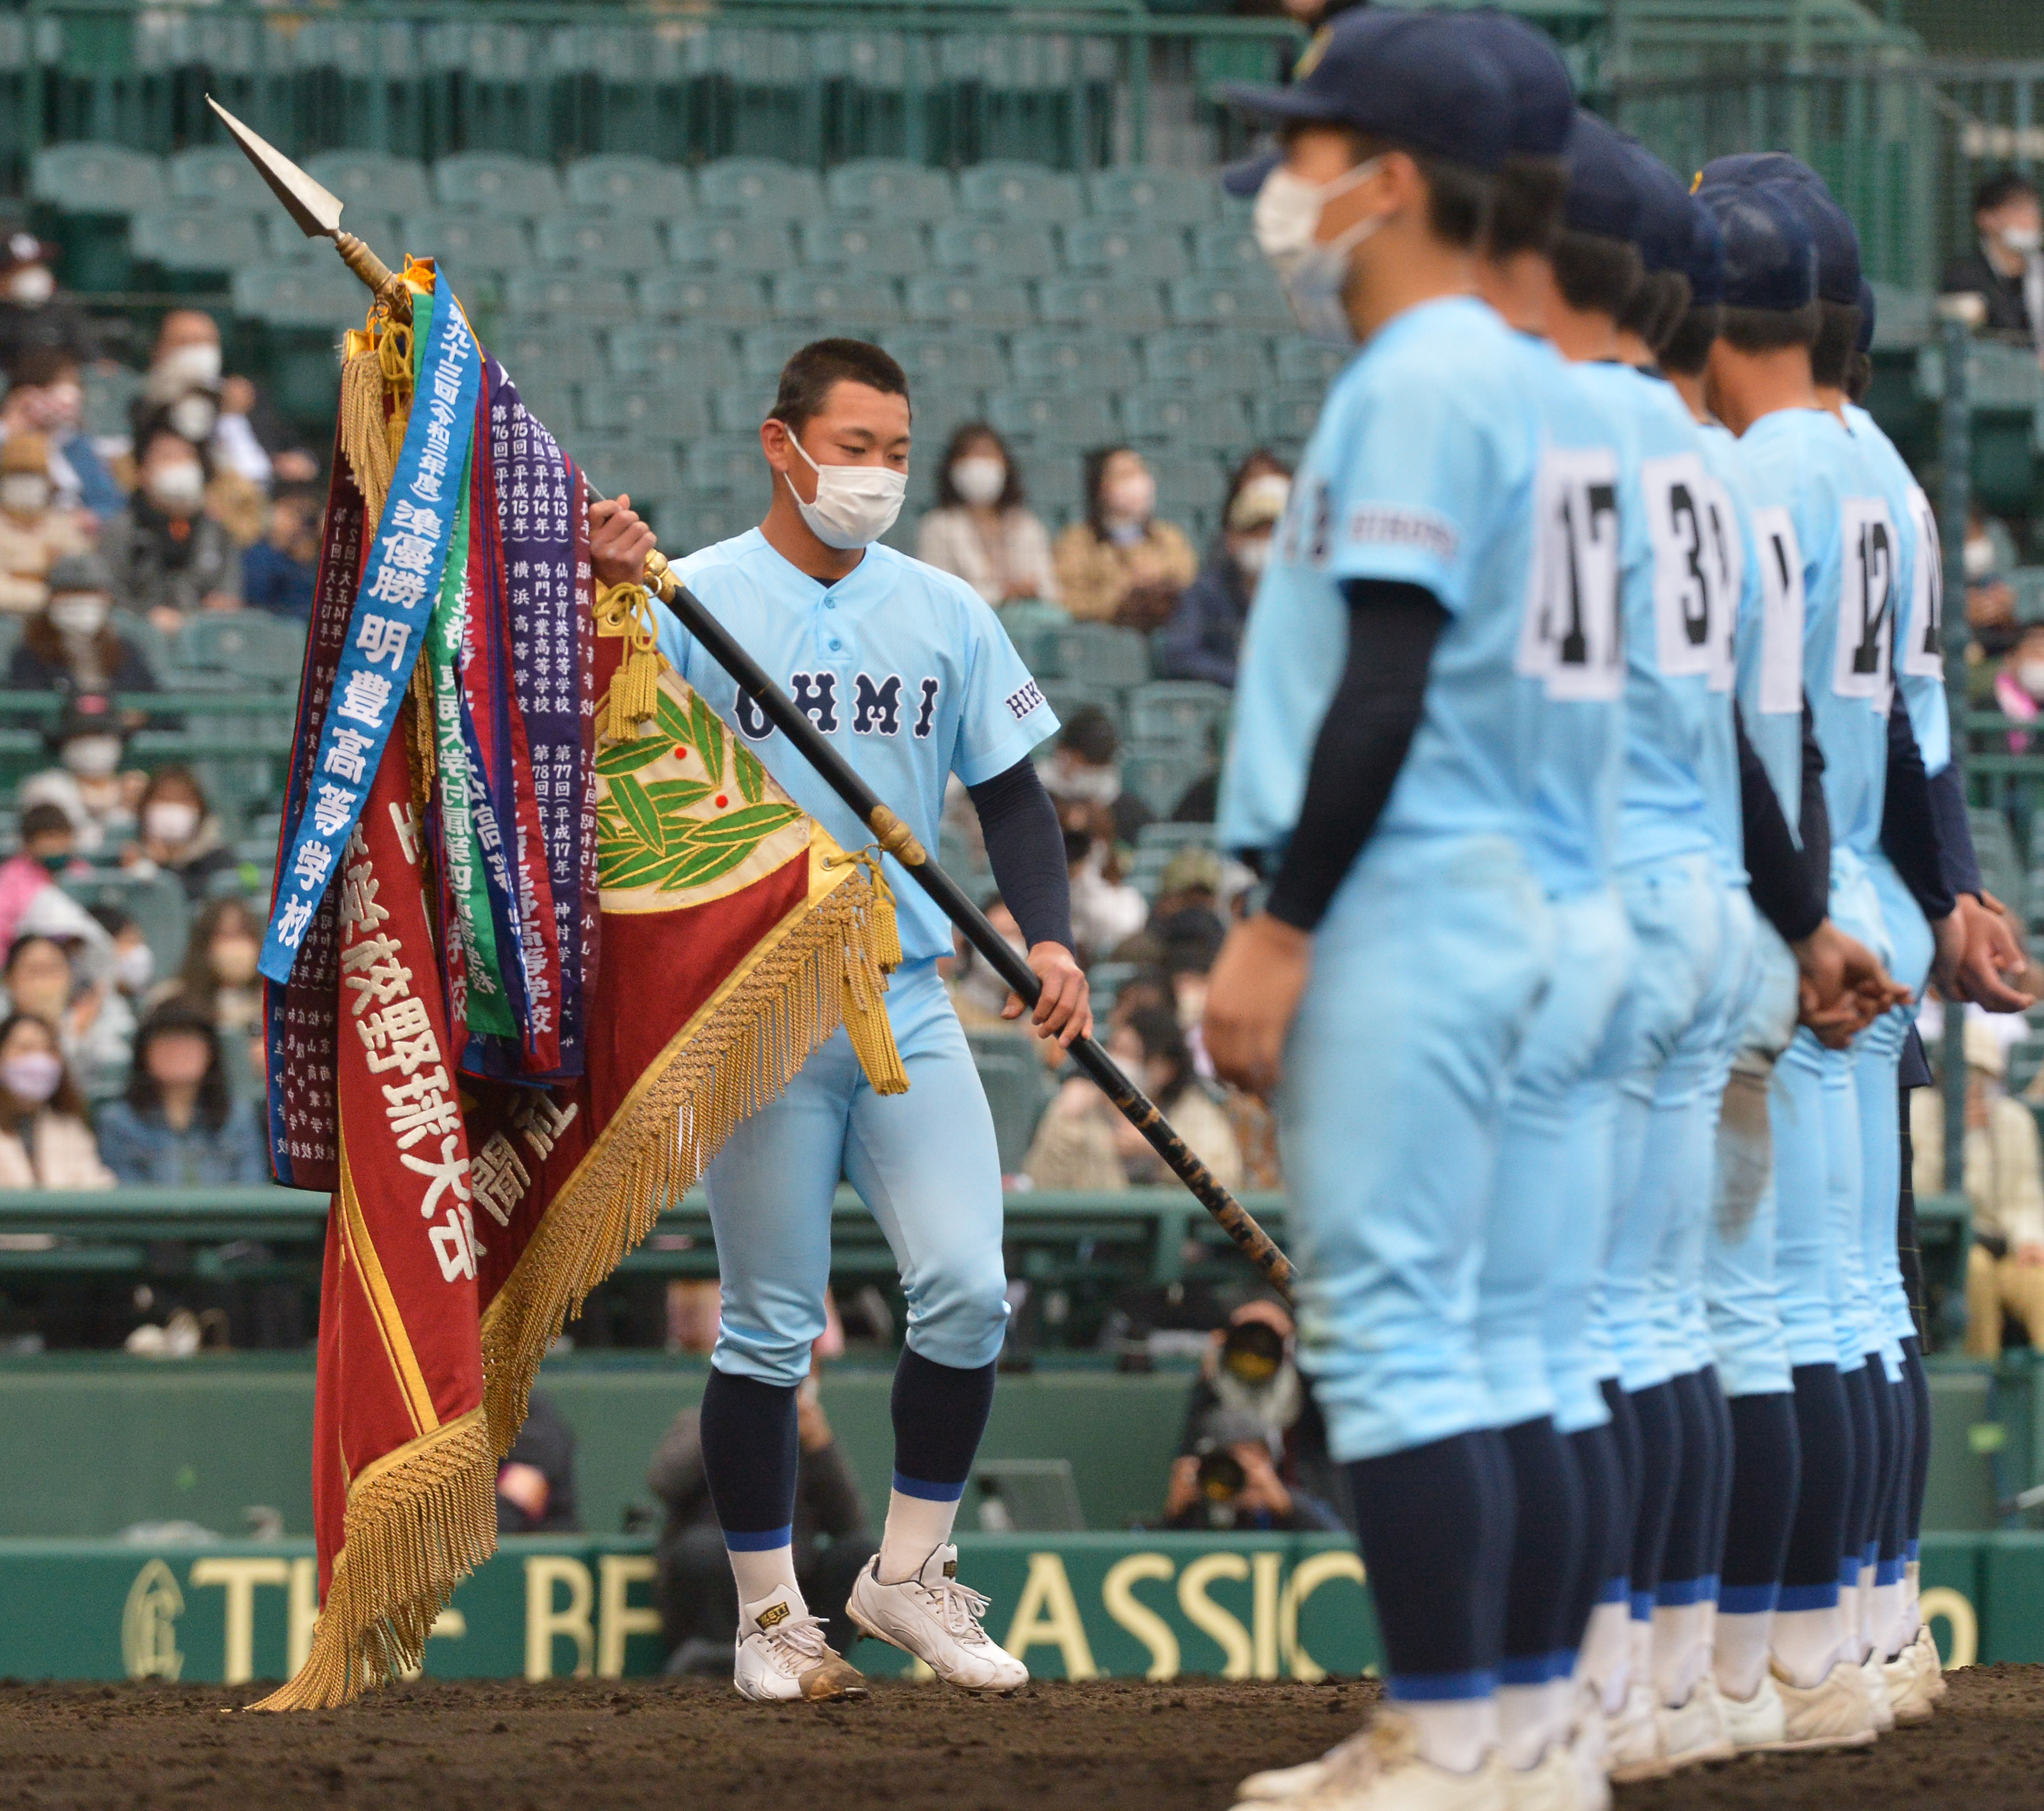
x=2019, y=684
x=178, y=1125
x=46, y=1140
x=1234, y=1486
x=1121, y=564
x=698, y=1601
x=982, y=528
x=1990, y=600
x=132, y=964
x=34, y=534
x=183, y=380
x=1205, y=633
x=88, y=783
x=71, y=645
x=179, y=835
x=978, y=995
x=278, y=572
x=1086, y=769
x=1105, y=908
x=169, y=558
x=1186, y=918
x=2005, y=268
x=34, y=316
x=94, y=1027
x=47, y=399
x=49, y=845
x=218, y=976
x=535, y=1484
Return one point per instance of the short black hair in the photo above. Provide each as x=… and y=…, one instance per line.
x=808, y=378
x=1688, y=348
x=1089, y=733
x=1859, y=375
x=1012, y=495
x=1527, y=208
x=1458, y=199
x=2000, y=188
x=1838, y=338
x=1768, y=330
x=44, y=820
x=177, y=1017
x=1595, y=274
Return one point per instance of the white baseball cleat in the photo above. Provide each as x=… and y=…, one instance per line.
x=1633, y=1740
x=1382, y=1770
x=1551, y=1784
x=935, y=1618
x=1833, y=1713
x=1589, y=1753
x=1923, y=1650
x=1907, y=1696
x=1875, y=1681
x=1758, y=1725
x=1694, y=1732
x=1274, y=1783
x=782, y=1656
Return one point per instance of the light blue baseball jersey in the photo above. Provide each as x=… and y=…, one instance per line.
x=904, y=668
x=1680, y=792
x=1805, y=461
x=1768, y=644
x=1420, y=470
x=1920, y=629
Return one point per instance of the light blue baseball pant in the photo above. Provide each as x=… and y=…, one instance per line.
x=1426, y=973
x=1856, y=908
x=924, y=1163
x=1670, y=1044
x=1551, y=1209
x=1740, y=1293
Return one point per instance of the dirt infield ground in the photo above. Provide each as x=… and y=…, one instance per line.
x=1125, y=1745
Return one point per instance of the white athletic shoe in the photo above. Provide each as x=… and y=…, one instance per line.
x=1589, y=1753
x=1907, y=1697
x=1694, y=1732
x=1833, y=1713
x=1633, y=1740
x=782, y=1655
x=935, y=1618
x=1923, y=1650
x=1876, y=1682
x=1383, y=1770
x=1275, y=1783
x=1758, y=1724
x=1551, y=1784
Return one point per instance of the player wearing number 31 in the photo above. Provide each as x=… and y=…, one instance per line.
x=909, y=674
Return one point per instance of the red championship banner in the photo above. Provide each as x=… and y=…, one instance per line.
x=716, y=936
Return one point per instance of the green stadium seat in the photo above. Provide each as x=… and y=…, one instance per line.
x=891, y=247
x=963, y=301
x=550, y=399
x=1222, y=248
x=1124, y=250
x=1100, y=655
x=1158, y=772
x=1056, y=357
x=945, y=360
x=298, y=295
x=747, y=248
x=669, y=358
x=108, y=396
x=1284, y=418
x=196, y=236
x=582, y=298
x=703, y=524
x=639, y=469
x=727, y=464
x=1185, y=486
x=1068, y=696
x=841, y=302
x=585, y=244
x=661, y=415
x=283, y=242
x=740, y=407
x=373, y=181
x=98, y=179
x=1308, y=363
x=630, y=188
x=992, y=248
x=1207, y=364
x=1153, y=198
x=470, y=243
x=1059, y=417
x=889, y=188
x=1093, y=301
x=1018, y=1088
x=137, y=631
x=1172, y=837
x=1189, y=710
x=762, y=350
x=488, y=181
x=245, y=643
x=157, y=905
x=1019, y=191
x=540, y=347
x=759, y=189
x=220, y=174
x=1249, y=301
x=2001, y=867
x=1168, y=415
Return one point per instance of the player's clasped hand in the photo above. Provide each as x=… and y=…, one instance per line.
x=1252, y=998
x=619, y=541
x=1843, y=987
x=1064, y=1008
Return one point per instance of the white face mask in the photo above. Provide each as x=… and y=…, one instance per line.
x=1253, y=555
x=31, y=1076
x=2027, y=239
x=980, y=479
x=25, y=492
x=855, y=504
x=1287, y=215
x=178, y=490
x=183, y=366
x=2030, y=675
x=82, y=615
x=194, y=416
x=92, y=757
x=171, y=820
x=32, y=286
x=134, y=968
x=1979, y=555
x=1132, y=499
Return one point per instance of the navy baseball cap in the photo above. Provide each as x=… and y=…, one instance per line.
x=1416, y=79
x=1830, y=226
x=1243, y=180
x=1604, y=196
x=1543, y=98
x=1770, y=259
x=1665, y=225
x=1705, y=265
x=1865, y=343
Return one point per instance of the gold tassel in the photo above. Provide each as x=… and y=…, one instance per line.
x=875, y=954
x=365, y=442
x=634, y=696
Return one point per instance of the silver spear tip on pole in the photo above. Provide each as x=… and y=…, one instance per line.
x=316, y=209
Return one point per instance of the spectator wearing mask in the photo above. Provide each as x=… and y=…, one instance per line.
x=35, y=316
x=178, y=1125
x=2019, y=684
x=46, y=1140
x=70, y=644
x=1204, y=636
x=218, y=978
x=278, y=572
x=95, y=1027
x=49, y=845
x=169, y=559
x=1084, y=770
x=978, y=995
x=131, y=963
x=34, y=535
x=1105, y=908
x=982, y=529
x=46, y=398
x=535, y=1482
x=88, y=783
x=178, y=834
x=2004, y=268
x=1121, y=564
x=1186, y=918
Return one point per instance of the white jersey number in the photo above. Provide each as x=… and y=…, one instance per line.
x=1726, y=569
x=1690, y=603
x=1570, y=637
x=1781, y=612
x=1863, y=667
x=1924, y=651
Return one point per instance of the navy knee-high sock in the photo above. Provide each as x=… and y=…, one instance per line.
x=1891, y=1566
x=1693, y=1503
x=1816, y=1536
x=939, y=1414
x=1888, y=1439
x=1766, y=1465
x=1607, y=1527
x=748, y=1456
x=1721, y=1413
x=1660, y=1456
x=1865, y=1475
x=1549, y=1552
x=1434, y=1524
x=1920, y=1445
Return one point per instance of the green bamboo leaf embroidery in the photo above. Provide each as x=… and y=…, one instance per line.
x=672, y=719
x=671, y=796
x=754, y=825
x=707, y=733
x=639, y=813
x=697, y=868
x=631, y=864
x=616, y=758
x=751, y=776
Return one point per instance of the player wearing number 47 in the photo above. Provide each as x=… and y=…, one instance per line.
x=911, y=676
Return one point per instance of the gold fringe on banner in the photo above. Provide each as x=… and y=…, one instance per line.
x=365, y=441
x=820, y=969
x=419, y=1522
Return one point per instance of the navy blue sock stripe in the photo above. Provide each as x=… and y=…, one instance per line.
x=1824, y=1436
x=749, y=1458
x=1766, y=1464
x=1920, y=1439
x=1894, y=1521
x=1548, y=1548
x=1606, y=1532
x=929, y=1491
x=1888, y=1431
x=939, y=1414
x=1694, y=1492
x=1865, y=1466
x=1721, y=1439
x=1659, y=1439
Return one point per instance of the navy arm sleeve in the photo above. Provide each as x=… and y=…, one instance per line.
x=1814, y=821
x=1908, y=825
x=1955, y=832
x=1026, y=849
x=1370, y=722
x=1785, y=892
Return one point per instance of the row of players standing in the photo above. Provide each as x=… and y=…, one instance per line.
x=1591, y=726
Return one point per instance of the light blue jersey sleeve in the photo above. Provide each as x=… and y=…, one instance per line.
x=1005, y=714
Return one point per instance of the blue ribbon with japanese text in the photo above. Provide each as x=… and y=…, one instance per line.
x=400, y=583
